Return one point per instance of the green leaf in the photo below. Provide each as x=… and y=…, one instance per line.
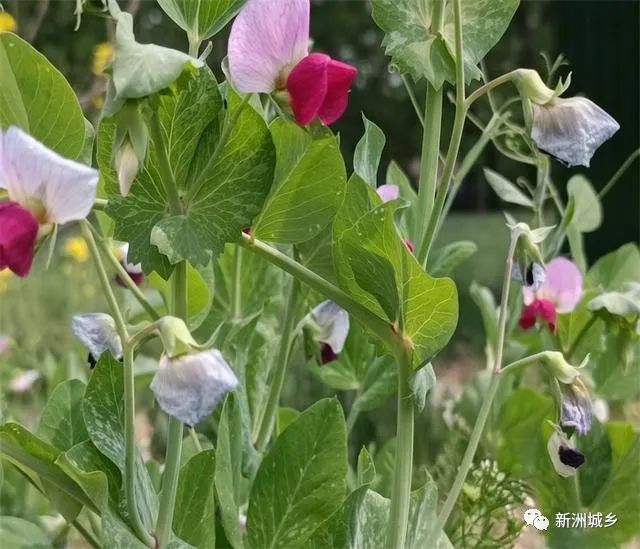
x=597, y=468
x=506, y=190
x=36, y=97
x=421, y=383
x=587, y=215
x=17, y=533
x=32, y=455
x=396, y=176
x=219, y=200
x=485, y=301
x=103, y=409
x=374, y=265
x=309, y=187
x=301, y=481
x=622, y=304
x=61, y=423
x=116, y=534
x=419, y=52
x=140, y=70
x=366, y=468
x=366, y=157
x=286, y=416
x=444, y=260
x=615, y=269
x=201, y=19
x=228, y=470
x=194, y=520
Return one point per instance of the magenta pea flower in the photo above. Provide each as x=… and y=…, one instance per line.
x=560, y=292
x=44, y=190
x=268, y=52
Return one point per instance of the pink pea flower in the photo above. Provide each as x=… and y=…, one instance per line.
x=388, y=192
x=560, y=292
x=44, y=190
x=268, y=52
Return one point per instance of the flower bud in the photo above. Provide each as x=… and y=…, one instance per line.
x=532, y=87
x=127, y=166
x=560, y=368
x=176, y=337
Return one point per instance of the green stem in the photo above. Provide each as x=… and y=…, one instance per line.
x=352, y=417
x=86, y=534
x=482, y=90
x=129, y=388
x=401, y=494
x=124, y=276
x=376, y=324
x=165, y=167
x=619, y=173
x=454, y=144
x=485, y=409
x=432, y=128
x=174, y=437
x=282, y=361
x=236, y=298
x=527, y=361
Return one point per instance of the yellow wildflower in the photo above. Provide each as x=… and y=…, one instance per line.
x=7, y=22
x=5, y=276
x=77, y=249
x=102, y=56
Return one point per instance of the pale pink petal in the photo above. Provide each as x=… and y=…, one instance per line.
x=267, y=38
x=307, y=86
x=563, y=284
x=18, y=234
x=340, y=76
x=388, y=192
x=33, y=173
x=528, y=295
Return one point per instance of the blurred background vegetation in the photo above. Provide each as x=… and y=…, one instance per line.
x=599, y=38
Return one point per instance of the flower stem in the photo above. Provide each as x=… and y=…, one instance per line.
x=129, y=387
x=174, y=438
x=282, y=361
x=403, y=470
x=414, y=100
x=485, y=409
x=236, y=297
x=482, y=90
x=376, y=324
x=454, y=145
x=619, y=173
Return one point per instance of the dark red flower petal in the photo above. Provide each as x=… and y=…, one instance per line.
x=340, y=76
x=540, y=309
x=137, y=277
x=307, y=87
x=326, y=354
x=18, y=235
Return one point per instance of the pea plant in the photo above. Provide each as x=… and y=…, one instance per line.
x=233, y=248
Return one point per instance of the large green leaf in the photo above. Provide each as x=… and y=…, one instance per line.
x=17, y=533
x=587, y=215
x=218, y=200
x=374, y=265
x=194, y=520
x=366, y=157
x=228, y=470
x=103, y=410
x=32, y=455
x=613, y=270
x=201, y=19
x=416, y=50
x=61, y=423
x=301, y=481
x=38, y=99
x=309, y=187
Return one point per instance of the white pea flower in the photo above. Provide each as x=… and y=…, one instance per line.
x=97, y=332
x=190, y=386
x=330, y=324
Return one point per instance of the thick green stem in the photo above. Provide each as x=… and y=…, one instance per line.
x=454, y=145
x=174, y=438
x=129, y=389
x=282, y=361
x=485, y=409
x=401, y=495
x=376, y=324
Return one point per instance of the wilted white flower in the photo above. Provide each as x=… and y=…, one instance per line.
x=576, y=408
x=97, y=332
x=330, y=324
x=191, y=386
